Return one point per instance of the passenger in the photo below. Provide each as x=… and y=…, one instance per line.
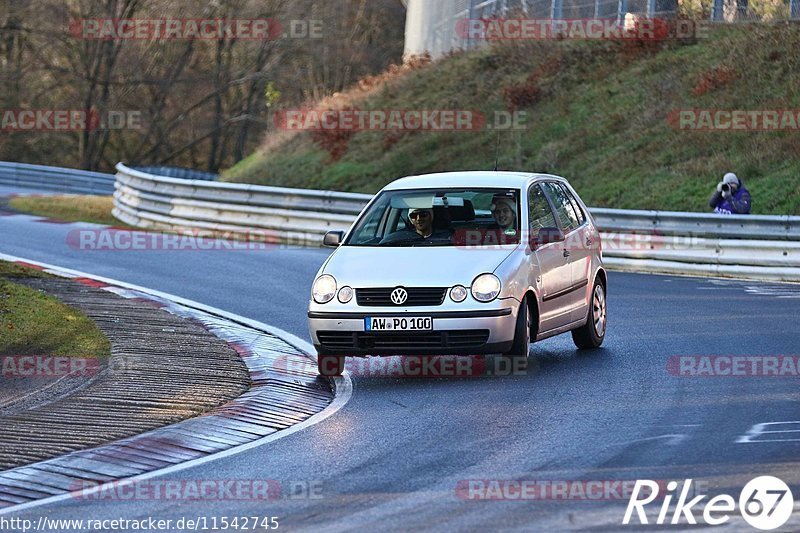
x=504, y=228
x=504, y=211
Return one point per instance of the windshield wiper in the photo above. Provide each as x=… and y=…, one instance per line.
x=402, y=242
x=418, y=242
x=434, y=242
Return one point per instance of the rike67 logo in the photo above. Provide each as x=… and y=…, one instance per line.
x=766, y=503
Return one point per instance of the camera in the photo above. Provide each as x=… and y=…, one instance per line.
x=726, y=187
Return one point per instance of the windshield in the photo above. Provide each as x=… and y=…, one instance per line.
x=440, y=217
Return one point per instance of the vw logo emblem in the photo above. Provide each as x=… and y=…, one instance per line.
x=399, y=296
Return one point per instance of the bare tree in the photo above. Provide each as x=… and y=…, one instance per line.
x=202, y=100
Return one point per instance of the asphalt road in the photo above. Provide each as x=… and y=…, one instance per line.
x=394, y=456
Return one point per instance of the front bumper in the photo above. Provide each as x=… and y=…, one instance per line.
x=462, y=332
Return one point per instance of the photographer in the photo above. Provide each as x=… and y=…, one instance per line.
x=731, y=196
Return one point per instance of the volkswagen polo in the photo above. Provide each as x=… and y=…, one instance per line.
x=460, y=263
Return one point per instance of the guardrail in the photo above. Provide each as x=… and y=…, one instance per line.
x=753, y=246
x=298, y=216
x=708, y=224
x=66, y=180
x=741, y=246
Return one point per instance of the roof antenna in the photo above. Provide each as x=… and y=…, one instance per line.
x=497, y=151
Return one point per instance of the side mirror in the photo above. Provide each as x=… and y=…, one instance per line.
x=546, y=236
x=333, y=238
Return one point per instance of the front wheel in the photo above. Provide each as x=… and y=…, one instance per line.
x=592, y=333
x=522, y=333
x=330, y=365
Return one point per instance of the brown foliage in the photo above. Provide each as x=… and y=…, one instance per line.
x=714, y=79
x=523, y=94
x=333, y=141
x=390, y=138
x=529, y=92
x=394, y=72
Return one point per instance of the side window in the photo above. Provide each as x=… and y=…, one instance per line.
x=575, y=205
x=539, y=213
x=564, y=211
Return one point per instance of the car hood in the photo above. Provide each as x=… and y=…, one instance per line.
x=420, y=266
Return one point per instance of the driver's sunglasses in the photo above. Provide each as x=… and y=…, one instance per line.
x=419, y=214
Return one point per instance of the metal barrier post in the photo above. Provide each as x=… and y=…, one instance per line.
x=556, y=9
x=622, y=8
x=471, y=17
x=742, y=9
x=717, y=10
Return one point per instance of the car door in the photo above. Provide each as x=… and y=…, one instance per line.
x=572, y=296
x=553, y=273
x=580, y=255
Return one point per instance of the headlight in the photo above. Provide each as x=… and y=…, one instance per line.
x=345, y=294
x=458, y=293
x=324, y=289
x=485, y=288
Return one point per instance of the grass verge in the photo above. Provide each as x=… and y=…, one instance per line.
x=69, y=207
x=32, y=323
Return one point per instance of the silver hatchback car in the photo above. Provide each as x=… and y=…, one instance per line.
x=460, y=263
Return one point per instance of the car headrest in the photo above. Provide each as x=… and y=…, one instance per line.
x=462, y=213
x=444, y=216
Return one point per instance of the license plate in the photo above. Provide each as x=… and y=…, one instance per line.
x=398, y=323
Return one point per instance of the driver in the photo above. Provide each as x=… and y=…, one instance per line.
x=422, y=229
x=422, y=220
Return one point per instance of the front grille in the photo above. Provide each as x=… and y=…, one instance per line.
x=404, y=340
x=416, y=296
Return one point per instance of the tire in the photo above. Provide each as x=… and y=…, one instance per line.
x=330, y=365
x=592, y=333
x=522, y=333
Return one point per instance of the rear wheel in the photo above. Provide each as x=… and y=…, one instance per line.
x=330, y=365
x=522, y=334
x=592, y=333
